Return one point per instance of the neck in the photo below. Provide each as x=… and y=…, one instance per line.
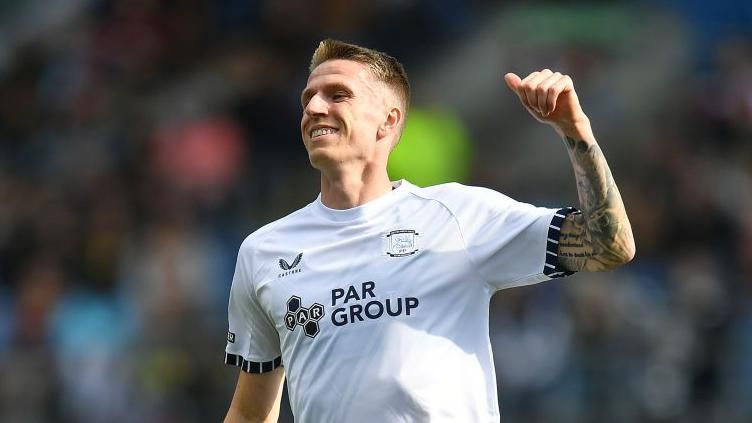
x=346, y=189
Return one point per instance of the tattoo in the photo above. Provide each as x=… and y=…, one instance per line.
x=571, y=244
x=577, y=255
x=600, y=238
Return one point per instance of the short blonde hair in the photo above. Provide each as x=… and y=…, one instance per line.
x=383, y=66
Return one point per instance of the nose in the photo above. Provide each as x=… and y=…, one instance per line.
x=316, y=106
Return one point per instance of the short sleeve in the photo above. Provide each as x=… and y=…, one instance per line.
x=252, y=340
x=511, y=243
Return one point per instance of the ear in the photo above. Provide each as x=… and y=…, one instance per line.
x=391, y=123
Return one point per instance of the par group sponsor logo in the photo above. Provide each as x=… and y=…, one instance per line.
x=306, y=317
x=349, y=305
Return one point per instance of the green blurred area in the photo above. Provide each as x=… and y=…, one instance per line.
x=605, y=24
x=435, y=148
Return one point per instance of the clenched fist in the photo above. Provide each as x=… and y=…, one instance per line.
x=549, y=97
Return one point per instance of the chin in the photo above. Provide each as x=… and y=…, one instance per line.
x=320, y=159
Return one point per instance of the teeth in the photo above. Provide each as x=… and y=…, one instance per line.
x=322, y=131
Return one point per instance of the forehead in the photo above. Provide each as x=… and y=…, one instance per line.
x=340, y=71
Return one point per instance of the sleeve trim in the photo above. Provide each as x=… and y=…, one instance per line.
x=551, y=267
x=252, y=366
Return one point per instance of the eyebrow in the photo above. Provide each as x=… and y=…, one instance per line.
x=332, y=86
x=306, y=95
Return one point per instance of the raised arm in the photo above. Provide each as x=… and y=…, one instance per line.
x=601, y=237
x=257, y=397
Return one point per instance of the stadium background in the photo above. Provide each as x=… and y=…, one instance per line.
x=141, y=140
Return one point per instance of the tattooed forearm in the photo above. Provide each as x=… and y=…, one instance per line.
x=601, y=237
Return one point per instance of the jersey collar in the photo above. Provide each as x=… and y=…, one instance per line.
x=365, y=211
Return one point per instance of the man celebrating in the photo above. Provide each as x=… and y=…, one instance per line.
x=373, y=300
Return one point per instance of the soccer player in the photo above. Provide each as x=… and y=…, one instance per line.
x=373, y=300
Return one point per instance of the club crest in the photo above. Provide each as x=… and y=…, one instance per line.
x=403, y=242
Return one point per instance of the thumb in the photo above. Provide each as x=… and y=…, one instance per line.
x=513, y=81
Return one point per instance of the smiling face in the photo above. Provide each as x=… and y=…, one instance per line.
x=348, y=115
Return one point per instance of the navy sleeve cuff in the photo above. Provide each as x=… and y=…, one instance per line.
x=252, y=366
x=552, y=268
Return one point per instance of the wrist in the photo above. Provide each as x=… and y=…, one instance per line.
x=578, y=129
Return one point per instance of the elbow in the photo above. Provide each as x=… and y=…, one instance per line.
x=629, y=254
x=632, y=251
x=630, y=248
x=624, y=253
x=619, y=253
x=623, y=245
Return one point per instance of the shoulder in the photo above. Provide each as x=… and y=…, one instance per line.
x=278, y=228
x=456, y=196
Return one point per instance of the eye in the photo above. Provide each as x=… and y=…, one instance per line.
x=339, y=96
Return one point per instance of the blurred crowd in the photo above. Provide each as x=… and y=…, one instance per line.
x=142, y=140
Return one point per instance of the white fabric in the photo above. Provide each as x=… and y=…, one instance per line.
x=454, y=247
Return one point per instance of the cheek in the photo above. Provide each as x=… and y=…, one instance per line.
x=369, y=119
x=362, y=121
x=303, y=121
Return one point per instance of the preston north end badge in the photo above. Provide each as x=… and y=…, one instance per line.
x=403, y=242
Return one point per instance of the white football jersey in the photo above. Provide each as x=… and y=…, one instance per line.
x=379, y=313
